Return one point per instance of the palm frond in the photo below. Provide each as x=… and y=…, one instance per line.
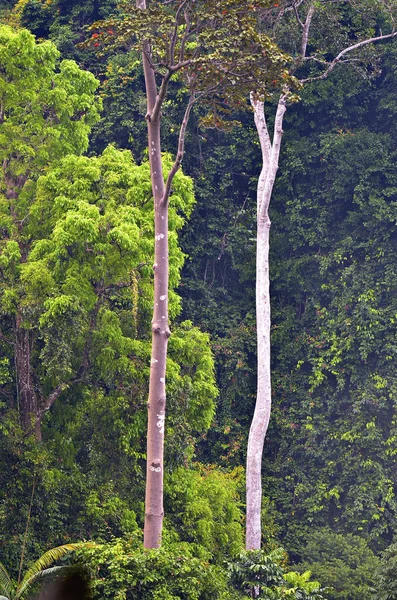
x=43, y=574
x=50, y=557
x=6, y=585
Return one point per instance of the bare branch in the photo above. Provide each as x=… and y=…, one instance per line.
x=150, y=80
x=341, y=54
x=49, y=401
x=321, y=61
x=61, y=387
x=186, y=35
x=278, y=127
x=263, y=132
x=295, y=9
x=160, y=97
x=306, y=29
x=6, y=339
x=8, y=395
x=174, y=36
x=180, y=152
x=181, y=65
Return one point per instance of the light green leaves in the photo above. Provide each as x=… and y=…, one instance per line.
x=46, y=107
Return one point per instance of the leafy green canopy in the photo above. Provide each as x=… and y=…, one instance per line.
x=343, y=563
x=85, y=285
x=84, y=289
x=261, y=575
x=47, y=107
x=205, y=503
x=385, y=587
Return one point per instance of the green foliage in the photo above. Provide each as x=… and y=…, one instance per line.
x=39, y=570
x=35, y=16
x=344, y=564
x=332, y=439
x=85, y=290
x=89, y=270
x=123, y=570
x=47, y=106
x=193, y=45
x=205, y=506
x=385, y=580
x=261, y=575
x=76, y=271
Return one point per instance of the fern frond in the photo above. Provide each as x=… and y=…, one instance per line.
x=50, y=557
x=6, y=585
x=43, y=574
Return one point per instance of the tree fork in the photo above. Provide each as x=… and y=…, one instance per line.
x=260, y=421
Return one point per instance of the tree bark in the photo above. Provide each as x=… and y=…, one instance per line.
x=160, y=323
x=260, y=420
x=27, y=395
x=154, y=511
x=160, y=333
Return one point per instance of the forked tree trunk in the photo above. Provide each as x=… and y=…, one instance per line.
x=160, y=324
x=260, y=420
x=32, y=403
x=154, y=511
x=270, y=158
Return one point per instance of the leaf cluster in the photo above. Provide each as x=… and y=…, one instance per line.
x=216, y=51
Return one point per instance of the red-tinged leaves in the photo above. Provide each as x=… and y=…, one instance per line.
x=216, y=50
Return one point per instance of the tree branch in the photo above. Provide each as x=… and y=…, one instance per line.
x=295, y=9
x=174, y=36
x=180, y=152
x=306, y=29
x=160, y=97
x=341, y=54
x=49, y=401
x=261, y=125
x=6, y=339
x=185, y=37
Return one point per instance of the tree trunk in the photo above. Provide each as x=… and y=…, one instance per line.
x=154, y=511
x=160, y=324
x=160, y=334
x=260, y=420
x=27, y=396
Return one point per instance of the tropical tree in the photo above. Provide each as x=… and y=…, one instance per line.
x=46, y=110
x=174, y=571
x=343, y=563
x=86, y=270
x=311, y=45
x=189, y=43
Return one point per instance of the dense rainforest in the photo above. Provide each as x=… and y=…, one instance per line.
x=76, y=295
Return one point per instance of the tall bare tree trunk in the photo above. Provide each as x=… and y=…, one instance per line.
x=160, y=328
x=160, y=334
x=160, y=324
x=260, y=420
